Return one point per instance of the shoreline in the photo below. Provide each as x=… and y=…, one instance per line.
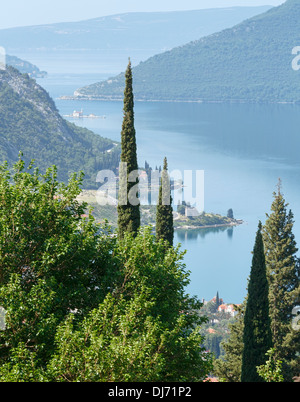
x=180, y=222
x=189, y=227
x=235, y=101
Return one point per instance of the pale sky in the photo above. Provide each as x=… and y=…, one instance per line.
x=35, y=12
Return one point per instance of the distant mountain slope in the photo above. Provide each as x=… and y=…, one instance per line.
x=30, y=122
x=153, y=31
x=25, y=67
x=250, y=62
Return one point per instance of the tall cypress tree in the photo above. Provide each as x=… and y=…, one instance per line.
x=284, y=283
x=217, y=300
x=257, y=336
x=128, y=207
x=164, y=210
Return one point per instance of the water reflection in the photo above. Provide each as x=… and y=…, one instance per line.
x=230, y=233
x=193, y=234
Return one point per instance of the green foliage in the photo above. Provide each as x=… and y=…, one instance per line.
x=118, y=341
x=128, y=210
x=282, y=272
x=164, y=210
x=31, y=324
x=257, y=336
x=284, y=283
x=82, y=305
x=43, y=234
x=50, y=257
x=144, y=331
x=31, y=123
x=22, y=366
x=163, y=273
x=271, y=371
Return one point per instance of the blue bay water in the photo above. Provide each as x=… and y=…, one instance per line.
x=243, y=150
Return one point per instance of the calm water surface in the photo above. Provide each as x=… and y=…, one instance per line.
x=243, y=150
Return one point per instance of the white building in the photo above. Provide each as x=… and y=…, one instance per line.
x=227, y=308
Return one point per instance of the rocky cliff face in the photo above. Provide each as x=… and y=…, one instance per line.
x=28, y=89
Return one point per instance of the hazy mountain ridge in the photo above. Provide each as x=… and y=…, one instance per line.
x=154, y=31
x=250, y=62
x=31, y=123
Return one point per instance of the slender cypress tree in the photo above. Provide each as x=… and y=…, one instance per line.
x=257, y=335
x=128, y=207
x=164, y=210
x=284, y=283
x=217, y=300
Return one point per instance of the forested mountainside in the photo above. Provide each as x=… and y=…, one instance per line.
x=251, y=62
x=31, y=123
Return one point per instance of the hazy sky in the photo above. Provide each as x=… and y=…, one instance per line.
x=33, y=12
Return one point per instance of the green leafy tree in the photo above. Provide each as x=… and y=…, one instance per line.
x=140, y=332
x=257, y=333
x=271, y=371
x=52, y=259
x=146, y=330
x=284, y=283
x=164, y=209
x=128, y=207
x=82, y=305
x=118, y=341
x=44, y=235
x=31, y=323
